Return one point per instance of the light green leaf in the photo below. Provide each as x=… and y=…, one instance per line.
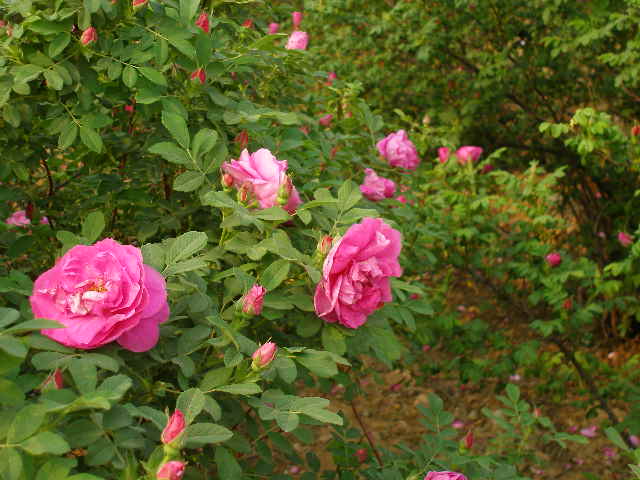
x=203, y=141
x=186, y=245
x=153, y=75
x=188, y=9
x=188, y=181
x=190, y=403
x=46, y=442
x=177, y=127
x=68, y=135
x=204, y=433
x=287, y=421
x=26, y=422
x=93, y=226
x=85, y=375
x=129, y=76
x=10, y=464
x=275, y=274
x=53, y=79
x=13, y=346
x=58, y=44
x=171, y=153
x=239, y=389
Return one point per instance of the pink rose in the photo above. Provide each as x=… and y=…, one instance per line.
x=401, y=199
x=174, y=428
x=331, y=76
x=443, y=154
x=399, y=150
x=101, y=293
x=203, y=22
x=252, y=301
x=444, y=476
x=19, y=219
x=298, y=41
x=553, y=259
x=355, y=274
x=264, y=355
x=265, y=177
x=273, y=28
x=589, y=432
x=171, y=471
x=325, y=120
x=624, y=238
x=90, y=35
x=376, y=188
x=468, y=154
x=296, y=19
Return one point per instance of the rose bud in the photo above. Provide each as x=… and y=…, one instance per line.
x=129, y=108
x=226, y=180
x=248, y=23
x=331, y=76
x=253, y=299
x=297, y=41
x=625, y=239
x=244, y=194
x=635, y=131
x=90, y=35
x=553, y=259
x=203, y=22
x=296, y=19
x=199, y=75
x=487, y=168
x=635, y=441
x=264, y=355
x=53, y=381
x=242, y=139
x=138, y=4
x=324, y=245
x=273, y=28
x=171, y=471
x=567, y=304
x=284, y=191
x=362, y=454
x=174, y=428
x=468, y=439
x=325, y=120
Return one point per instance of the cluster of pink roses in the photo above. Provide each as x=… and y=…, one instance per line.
x=466, y=154
x=21, y=219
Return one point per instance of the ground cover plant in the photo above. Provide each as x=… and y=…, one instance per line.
x=220, y=239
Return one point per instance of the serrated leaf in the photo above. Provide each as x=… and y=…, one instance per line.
x=287, y=421
x=171, y=153
x=190, y=403
x=153, y=75
x=93, y=226
x=58, y=44
x=204, y=433
x=186, y=245
x=203, y=141
x=26, y=422
x=13, y=346
x=177, y=127
x=85, y=375
x=188, y=9
x=53, y=79
x=68, y=135
x=188, y=181
x=91, y=139
x=275, y=274
x=215, y=378
x=46, y=442
x=129, y=76
x=10, y=464
x=240, y=389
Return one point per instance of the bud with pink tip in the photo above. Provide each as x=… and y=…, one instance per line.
x=171, y=471
x=248, y=23
x=253, y=300
x=325, y=120
x=264, y=355
x=362, y=454
x=487, y=168
x=242, y=139
x=138, y=4
x=226, y=180
x=324, y=245
x=553, y=259
x=468, y=439
x=331, y=76
x=625, y=239
x=443, y=154
x=203, y=22
x=90, y=35
x=296, y=19
x=53, y=381
x=635, y=130
x=174, y=428
x=273, y=28
x=199, y=75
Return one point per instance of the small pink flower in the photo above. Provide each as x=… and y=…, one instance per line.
x=444, y=476
x=264, y=355
x=553, y=259
x=573, y=428
x=296, y=19
x=625, y=239
x=362, y=454
x=487, y=168
x=515, y=377
x=601, y=235
x=426, y=348
x=458, y=424
x=443, y=154
x=90, y=35
x=273, y=28
x=171, y=471
x=401, y=199
x=468, y=154
x=298, y=40
x=129, y=108
x=294, y=469
x=355, y=274
x=399, y=150
x=589, y=432
x=325, y=120
x=203, y=22
x=199, y=75
x=635, y=440
x=252, y=301
x=331, y=76
x=376, y=188
x=18, y=219
x=174, y=428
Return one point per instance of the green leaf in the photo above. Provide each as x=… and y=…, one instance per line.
x=29, y=325
x=177, y=127
x=58, y=44
x=333, y=339
x=85, y=375
x=91, y=139
x=190, y=403
x=10, y=464
x=228, y=467
x=13, y=346
x=113, y=388
x=153, y=76
x=46, y=442
x=275, y=274
x=320, y=363
x=55, y=469
x=203, y=141
x=186, y=245
x=324, y=415
x=129, y=76
x=185, y=266
x=348, y=195
x=204, y=433
x=93, y=226
x=26, y=73
x=26, y=422
x=53, y=79
x=215, y=378
x=240, y=389
x=287, y=421
x=286, y=368
x=8, y=316
x=68, y=135
x=10, y=393
x=188, y=9
x=188, y=181
x=171, y=153
x=308, y=326
x=276, y=214
x=617, y=440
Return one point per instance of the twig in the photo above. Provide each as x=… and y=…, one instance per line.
x=45, y=164
x=366, y=433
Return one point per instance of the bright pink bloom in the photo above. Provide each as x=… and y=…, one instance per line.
x=625, y=239
x=443, y=154
x=19, y=219
x=399, y=150
x=101, y=293
x=264, y=175
x=553, y=259
x=199, y=75
x=355, y=274
x=203, y=22
x=174, y=428
x=264, y=355
x=325, y=120
x=589, y=432
x=468, y=154
x=252, y=301
x=171, y=471
x=444, y=476
x=376, y=188
x=90, y=35
x=296, y=19
x=297, y=41
x=273, y=28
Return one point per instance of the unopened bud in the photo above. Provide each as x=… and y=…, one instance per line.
x=264, y=355
x=362, y=454
x=468, y=439
x=284, y=192
x=243, y=194
x=199, y=75
x=324, y=245
x=90, y=35
x=635, y=131
x=174, y=428
x=226, y=180
x=242, y=139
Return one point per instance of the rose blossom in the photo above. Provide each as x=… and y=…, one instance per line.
x=174, y=428
x=355, y=274
x=203, y=22
x=252, y=301
x=19, y=219
x=264, y=175
x=624, y=238
x=90, y=35
x=444, y=476
x=296, y=19
x=468, y=154
x=264, y=355
x=298, y=41
x=376, y=188
x=101, y=293
x=443, y=154
x=171, y=471
x=273, y=28
x=553, y=259
x=589, y=432
x=399, y=150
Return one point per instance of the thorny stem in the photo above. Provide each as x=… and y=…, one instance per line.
x=366, y=433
